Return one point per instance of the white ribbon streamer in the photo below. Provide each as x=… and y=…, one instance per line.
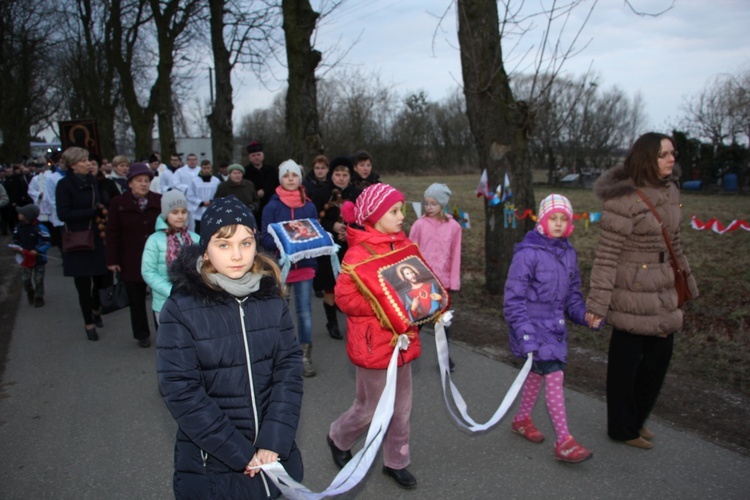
x=357, y=468
x=468, y=423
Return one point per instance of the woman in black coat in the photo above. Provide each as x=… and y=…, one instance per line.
x=78, y=201
x=131, y=220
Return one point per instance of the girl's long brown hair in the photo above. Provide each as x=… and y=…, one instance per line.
x=262, y=264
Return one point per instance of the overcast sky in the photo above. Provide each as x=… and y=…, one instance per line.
x=666, y=58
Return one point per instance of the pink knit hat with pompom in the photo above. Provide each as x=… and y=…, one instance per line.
x=371, y=205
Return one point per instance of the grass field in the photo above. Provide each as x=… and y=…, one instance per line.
x=715, y=342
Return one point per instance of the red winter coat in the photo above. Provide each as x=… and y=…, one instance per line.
x=368, y=343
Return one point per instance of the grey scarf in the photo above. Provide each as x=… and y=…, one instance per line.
x=240, y=287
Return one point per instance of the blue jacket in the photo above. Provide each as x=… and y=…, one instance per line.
x=224, y=410
x=543, y=287
x=276, y=211
x=154, y=264
x=33, y=236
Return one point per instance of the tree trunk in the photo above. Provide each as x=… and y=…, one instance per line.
x=302, y=121
x=220, y=118
x=498, y=124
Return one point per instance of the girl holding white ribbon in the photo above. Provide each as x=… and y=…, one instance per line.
x=229, y=364
x=543, y=287
x=374, y=228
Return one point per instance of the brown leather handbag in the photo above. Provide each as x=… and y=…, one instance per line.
x=680, y=276
x=79, y=241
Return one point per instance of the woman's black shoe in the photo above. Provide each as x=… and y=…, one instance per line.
x=91, y=334
x=98, y=320
x=340, y=457
x=403, y=477
x=144, y=342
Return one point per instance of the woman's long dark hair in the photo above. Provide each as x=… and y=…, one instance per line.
x=642, y=162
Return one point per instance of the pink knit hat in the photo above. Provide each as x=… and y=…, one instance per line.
x=552, y=204
x=371, y=205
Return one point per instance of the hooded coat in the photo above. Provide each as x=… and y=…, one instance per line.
x=228, y=401
x=543, y=287
x=632, y=281
x=368, y=342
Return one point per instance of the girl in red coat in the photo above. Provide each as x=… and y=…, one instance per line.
x=374, y=226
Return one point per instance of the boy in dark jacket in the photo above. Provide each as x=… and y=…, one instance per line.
x=31, y=240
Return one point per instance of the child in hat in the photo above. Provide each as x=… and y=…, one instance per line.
x=374, y=226
x=542, y=290
x=164, y=245
x=228, y=362
x=439, y=238
x=290, y=202
x=32, y=240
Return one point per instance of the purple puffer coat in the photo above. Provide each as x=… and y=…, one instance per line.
x=543, y=286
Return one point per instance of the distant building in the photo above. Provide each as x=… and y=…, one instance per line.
x=199, y=146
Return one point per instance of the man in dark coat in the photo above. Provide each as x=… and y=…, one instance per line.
x=264, y=177
x=132, y=219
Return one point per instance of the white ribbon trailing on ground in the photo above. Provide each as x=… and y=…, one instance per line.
x=465, y=421
x=358, y=466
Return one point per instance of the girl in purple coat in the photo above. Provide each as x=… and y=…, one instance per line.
x=543, y=287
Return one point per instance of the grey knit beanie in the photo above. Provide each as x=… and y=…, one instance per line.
x=440, y=192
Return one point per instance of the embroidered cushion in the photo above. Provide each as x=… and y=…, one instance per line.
x=401, y=287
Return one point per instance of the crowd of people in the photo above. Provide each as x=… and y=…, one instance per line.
x=230, y=362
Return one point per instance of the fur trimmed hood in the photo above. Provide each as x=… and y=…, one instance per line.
x=186, y=279
x=615, y=183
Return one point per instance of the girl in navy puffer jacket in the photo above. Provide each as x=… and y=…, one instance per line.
x=543, y=287
x=229, y=365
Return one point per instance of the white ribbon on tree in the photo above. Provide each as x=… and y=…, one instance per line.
x=465, y=421
x=357, y=468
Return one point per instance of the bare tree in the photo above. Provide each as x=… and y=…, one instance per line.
x=302, y=121
x=242, y=32
x=27, y=43
x=498, y=124
x=88, y=78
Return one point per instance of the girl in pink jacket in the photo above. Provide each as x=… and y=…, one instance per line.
x=439, y=238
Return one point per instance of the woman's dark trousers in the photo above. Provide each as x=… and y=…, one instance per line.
x=637, y=365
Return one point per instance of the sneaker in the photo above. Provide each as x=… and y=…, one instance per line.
x=570, y=451
x=144, y=342
x=527, y=429
x=39, y=302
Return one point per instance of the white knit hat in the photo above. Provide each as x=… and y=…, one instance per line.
x=290, y=166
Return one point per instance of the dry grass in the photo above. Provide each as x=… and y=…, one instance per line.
x=715, y=345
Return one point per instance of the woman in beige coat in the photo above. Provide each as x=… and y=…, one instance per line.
x=632, y=282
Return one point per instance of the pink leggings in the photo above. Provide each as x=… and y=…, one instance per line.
x=554, y=396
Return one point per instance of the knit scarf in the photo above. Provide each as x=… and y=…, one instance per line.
x=175, y=239
x=240, y=287
x=292, y=199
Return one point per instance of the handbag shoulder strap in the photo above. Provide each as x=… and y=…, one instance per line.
x=664, y=232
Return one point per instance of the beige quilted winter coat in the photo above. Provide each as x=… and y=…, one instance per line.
x=632, y=282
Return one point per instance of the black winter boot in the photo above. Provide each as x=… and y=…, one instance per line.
x=332, y=322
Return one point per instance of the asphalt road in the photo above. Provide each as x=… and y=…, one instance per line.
x=81, y=419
